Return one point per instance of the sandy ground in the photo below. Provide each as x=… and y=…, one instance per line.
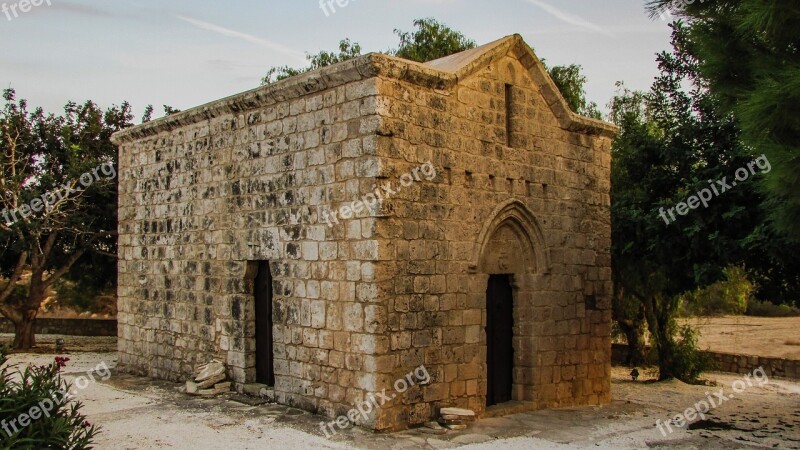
x=760, y=336
x=138, y=413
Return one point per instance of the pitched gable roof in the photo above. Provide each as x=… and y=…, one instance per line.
x=441, y=73
x=464, y=64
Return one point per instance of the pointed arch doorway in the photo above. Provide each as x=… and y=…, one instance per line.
x=511, y=251
x=499, y=339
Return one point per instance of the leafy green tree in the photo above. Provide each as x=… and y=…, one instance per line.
x=571, y=81
x=749, y=51
x=347, y=50
x=148, y=114
x=673, y=140
x=149, y=110
x=431, y=40
x=169, y=110
x=58, y=198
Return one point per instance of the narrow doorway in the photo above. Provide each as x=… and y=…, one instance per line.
x=499, y=339
x=265, y=366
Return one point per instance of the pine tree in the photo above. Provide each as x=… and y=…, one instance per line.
x=749, y=52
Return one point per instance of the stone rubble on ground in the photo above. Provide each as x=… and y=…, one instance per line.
x=433, y=428
x=209, y=380
x=456, y=418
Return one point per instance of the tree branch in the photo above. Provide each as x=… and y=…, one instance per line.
x=12, y=280
x=63, y=269
x=100, y=252
x=48, y=246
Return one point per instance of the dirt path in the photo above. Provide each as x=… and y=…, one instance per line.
x=760, y=336
x=138, y=413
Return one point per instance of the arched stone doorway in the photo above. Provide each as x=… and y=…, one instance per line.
x=511, y=258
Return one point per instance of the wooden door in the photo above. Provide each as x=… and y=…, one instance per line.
x=499, y=339
x=265, y=367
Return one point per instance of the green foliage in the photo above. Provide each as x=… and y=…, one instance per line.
x=17, y=296
x=431, y=40
x=570, y=81
x=79, y=296
x=672, y=140
x=147, y=116
x=729, y=296
x=748, y=51
x=41, y=387
x=169, y=110
x=347, y=50
x=689, y=363
x=41, y=154
x=766, y=309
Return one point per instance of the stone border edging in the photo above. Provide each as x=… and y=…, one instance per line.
x=68, y=327
x=733, y=363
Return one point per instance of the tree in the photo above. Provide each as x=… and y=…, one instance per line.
x=58, y=194
x=673, y=140
x=431, y=40
x=749, y=54
x=147, y=116
x=571, y=81
x=347, y=50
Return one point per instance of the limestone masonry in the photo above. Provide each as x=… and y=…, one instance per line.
x=521, y=192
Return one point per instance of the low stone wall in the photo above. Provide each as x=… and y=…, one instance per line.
x=68, y=327
x=729, y=362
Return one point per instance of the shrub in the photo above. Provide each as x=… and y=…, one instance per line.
x=767, y=309
x=729, y=296
x=59, y=423
x=688, y=361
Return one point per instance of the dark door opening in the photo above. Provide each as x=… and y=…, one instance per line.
x=499, y=339
x=265, y=366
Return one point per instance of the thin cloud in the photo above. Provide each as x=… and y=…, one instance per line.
x=72, y=8
x=570, y=19
x=84, y=10
x=632, y=29
x=242, y=36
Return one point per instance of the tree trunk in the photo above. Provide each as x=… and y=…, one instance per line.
x=666, y=358
x=24, y=337
x=634, y=334
x=659, y=311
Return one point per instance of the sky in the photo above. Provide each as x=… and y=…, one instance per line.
x=186, y=53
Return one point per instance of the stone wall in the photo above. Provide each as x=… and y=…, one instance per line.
x=536, y=205
x=246, y=183
x=68, y=327
x=733, y=363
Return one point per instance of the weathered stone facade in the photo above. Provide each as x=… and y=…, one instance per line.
x=522, y=188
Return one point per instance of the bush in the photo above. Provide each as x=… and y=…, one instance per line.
x=59, y=423
x=729, y=296
x=767, y=309
x=689, y=362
